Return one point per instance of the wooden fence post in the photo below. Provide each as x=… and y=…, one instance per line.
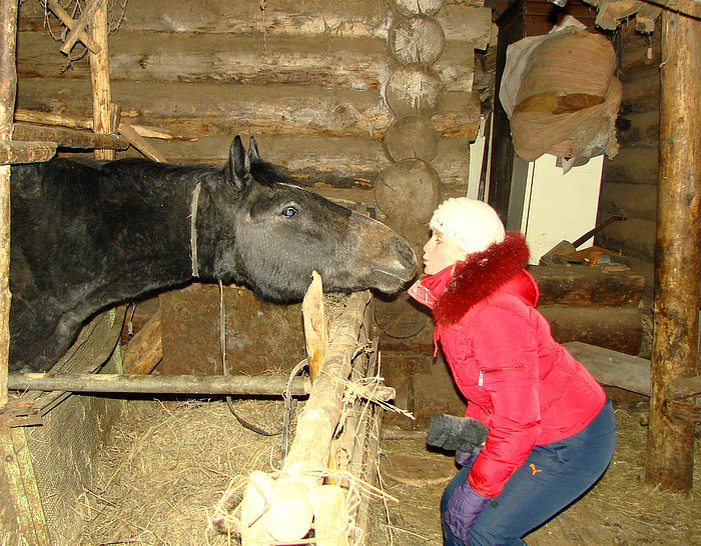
x=100, y=76
x=670, y=447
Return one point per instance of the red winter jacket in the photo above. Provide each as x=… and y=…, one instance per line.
x=518, y=380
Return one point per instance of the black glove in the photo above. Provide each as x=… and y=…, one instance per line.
x=452, y=433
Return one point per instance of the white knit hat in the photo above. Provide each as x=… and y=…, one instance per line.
x=472, y=224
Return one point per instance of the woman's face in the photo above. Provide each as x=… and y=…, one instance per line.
x=440, y=252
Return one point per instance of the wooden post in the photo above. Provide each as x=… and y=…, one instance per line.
x=100, y=77
x=8, y=93
x=670, y=447
x=314, y=325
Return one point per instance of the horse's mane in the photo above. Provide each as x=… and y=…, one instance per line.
x=262, y=172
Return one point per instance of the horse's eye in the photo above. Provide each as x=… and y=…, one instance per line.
x=289, y=212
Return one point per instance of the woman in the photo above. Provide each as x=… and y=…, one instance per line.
x=551, y=428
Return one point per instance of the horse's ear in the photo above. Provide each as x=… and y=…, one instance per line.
x=253, y=154
x=239, y=166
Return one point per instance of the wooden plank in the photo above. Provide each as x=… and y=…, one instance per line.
x=670, y=446
x=612, y=368
x=140, y=143
x=163, y=384
x=145, y=350
x=79, y=27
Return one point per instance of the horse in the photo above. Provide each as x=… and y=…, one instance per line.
x=87, y=235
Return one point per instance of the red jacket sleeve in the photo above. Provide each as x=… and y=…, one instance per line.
x=505, y=345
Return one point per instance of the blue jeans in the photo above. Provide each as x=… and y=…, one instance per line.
x=552, y=477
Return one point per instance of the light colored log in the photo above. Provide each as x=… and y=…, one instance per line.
x=342, y=63
x=314, y=317
x=417, y=39
x=204, y=108
x=102, y=115
x=411, y=138
x=69, y=138
x=158, y=384
x=414, y=90
x=67, y=20
x=670, y=446
x=145, y=350
x=330, y=516
x=8, y=92
x=12, y=153
x=78, y=28
x=140, y=143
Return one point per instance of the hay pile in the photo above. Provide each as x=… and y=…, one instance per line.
x=165, y=469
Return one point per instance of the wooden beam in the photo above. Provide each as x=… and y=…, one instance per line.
x=69, y=138
x=103, y=120
x=159, y=384
x=67, y=20
x=684, y=387
x=612, y=368
x=670, y=447
x=692, y=8
x=140, y=143
x=8, y=94
x=78, y=28
x=12, y=153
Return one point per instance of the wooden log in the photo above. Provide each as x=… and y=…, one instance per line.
x=587, y=286
x=411, y=187
x=188, y=57
x=12, y=153
x=633, y=166
x=416, y=39
x=642, y=94
x=159, y=384
x=630, y=200
x=316, y=425
x=204, y=109
x=617, y=328
x=641, y=130
x=330, y=516
x=103, y=121
x=67, y=20
x=68, y=138
x=613, y=368
x=670, y=447
x=411, y=138
x=8, y=92
x=145, y=349
x=686, y=411
x=414, y=90
x=315, y=335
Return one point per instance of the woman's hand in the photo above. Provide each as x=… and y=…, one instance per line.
x=464, y=505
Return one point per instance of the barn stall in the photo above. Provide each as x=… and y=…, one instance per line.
x=309, y=82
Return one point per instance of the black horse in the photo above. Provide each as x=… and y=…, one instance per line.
x=86, y=236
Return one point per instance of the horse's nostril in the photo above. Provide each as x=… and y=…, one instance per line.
x=406, y=252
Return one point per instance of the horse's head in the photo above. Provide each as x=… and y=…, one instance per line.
x=284, y=232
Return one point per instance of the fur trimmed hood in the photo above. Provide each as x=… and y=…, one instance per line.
x=477, y=278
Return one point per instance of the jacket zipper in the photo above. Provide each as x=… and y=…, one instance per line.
x=480, y=381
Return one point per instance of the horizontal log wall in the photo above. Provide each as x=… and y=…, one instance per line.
x=629, y=185
x=305, y=78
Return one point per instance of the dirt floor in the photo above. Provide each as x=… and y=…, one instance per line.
x=167, y=467
x=620, y=510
